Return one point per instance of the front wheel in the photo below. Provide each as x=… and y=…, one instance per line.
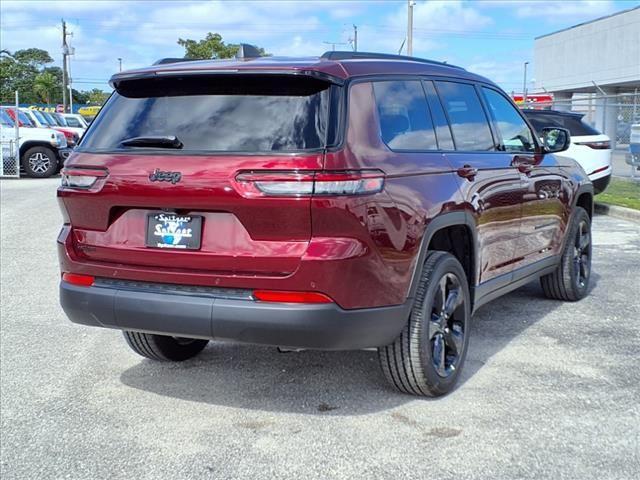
x=427, y=358
x=164, y=348
x=39, y=162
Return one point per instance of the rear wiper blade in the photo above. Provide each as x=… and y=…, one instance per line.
x=161, y=141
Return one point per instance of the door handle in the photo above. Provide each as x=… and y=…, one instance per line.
x=468, y=172
x=523, y=164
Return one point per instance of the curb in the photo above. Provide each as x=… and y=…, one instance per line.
x=618, y=212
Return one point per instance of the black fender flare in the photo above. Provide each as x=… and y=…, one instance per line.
x=444, y=220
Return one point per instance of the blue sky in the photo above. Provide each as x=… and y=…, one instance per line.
x=492, y=37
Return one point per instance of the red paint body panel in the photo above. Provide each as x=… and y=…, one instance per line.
x=361, y=251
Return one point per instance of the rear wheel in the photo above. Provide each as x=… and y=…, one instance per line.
x=164, y=348
x=570, y=281
x=39, y=162
x=427, y=357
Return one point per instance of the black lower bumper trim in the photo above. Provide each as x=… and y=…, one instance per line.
x=322, y=326
x=600, y=184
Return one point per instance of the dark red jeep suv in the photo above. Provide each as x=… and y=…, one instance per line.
x=343, y=202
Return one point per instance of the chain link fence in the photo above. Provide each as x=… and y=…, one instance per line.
x=10, y=166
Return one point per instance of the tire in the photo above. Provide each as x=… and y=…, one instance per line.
x=164, y=348
x=39, y=162
x=570, y=281
x=412, y=363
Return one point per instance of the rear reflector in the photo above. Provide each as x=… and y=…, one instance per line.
x=605, y=145
x=291, y=183
x=81, y=178
x=602, y=169
x=290, y=297
x=79, y=280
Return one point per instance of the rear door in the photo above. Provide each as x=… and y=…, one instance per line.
x=228, y=132
x=489, y=182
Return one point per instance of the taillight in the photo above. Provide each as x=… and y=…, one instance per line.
x=78, y=280
x=290, y=297
x=604, y=145
x=81, y=178
x=297, y=184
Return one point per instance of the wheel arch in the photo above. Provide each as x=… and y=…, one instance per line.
x=35, y=143
x=445, y=224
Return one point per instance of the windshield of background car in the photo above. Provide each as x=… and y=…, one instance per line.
x=25, y=121
x=5, y=119
x=576, y=126
x=73, y=122
x=49, y=119
x=61, y=120
x=40, y=117
x=242, y=113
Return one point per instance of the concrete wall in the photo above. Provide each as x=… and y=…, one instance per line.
x=606, y=51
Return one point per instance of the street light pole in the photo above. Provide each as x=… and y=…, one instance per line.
x=524, y=85
x=410, y=4
x=120, y=64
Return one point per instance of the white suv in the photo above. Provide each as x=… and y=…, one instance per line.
x=590, y=148
x=42, y=150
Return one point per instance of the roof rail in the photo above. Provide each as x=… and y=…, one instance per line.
x=347, y=55
x=164, y=61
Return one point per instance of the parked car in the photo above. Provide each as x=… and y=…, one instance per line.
x=590, y=148
x=75, y=120
x=63, y=122
x=350, y=201
x=42, y=150
x=54, y=122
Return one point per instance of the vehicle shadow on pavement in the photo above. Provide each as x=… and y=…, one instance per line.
x=325, y=383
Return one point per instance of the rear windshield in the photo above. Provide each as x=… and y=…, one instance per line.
x=576, y=126
x=242, y=114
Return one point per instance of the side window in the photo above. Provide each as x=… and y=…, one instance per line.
x=443, y=133
x=516, y=134
x=405, y=121
x=469, y=125
x=73, y=122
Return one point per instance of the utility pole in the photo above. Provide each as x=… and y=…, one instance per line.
x=524, y=85
x=355, y=38
x=119, y=64
x=65, y=77
x=410, y=4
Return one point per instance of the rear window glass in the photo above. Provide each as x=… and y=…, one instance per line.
x=469, y=124
x=576, y=126
x=216, y=114
x=405, y=121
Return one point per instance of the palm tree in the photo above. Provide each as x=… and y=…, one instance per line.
x=44, y=85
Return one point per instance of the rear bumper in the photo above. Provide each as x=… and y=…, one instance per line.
x=600, y=184
x=198, y=315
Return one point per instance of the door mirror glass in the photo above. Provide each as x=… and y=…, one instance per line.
x=555, y=139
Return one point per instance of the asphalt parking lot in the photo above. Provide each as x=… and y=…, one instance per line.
x=550, y=390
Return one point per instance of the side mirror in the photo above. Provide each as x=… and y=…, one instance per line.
x=555, y=139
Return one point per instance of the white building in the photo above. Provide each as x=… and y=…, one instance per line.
x=601, y=56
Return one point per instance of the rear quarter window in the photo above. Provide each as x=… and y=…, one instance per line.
x=244, y=114
x=405, y=121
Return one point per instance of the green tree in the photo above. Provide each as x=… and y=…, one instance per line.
x=97, y=96
x=34, y=57
x=45, y=85
x=19, y=70
x=211, y=47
